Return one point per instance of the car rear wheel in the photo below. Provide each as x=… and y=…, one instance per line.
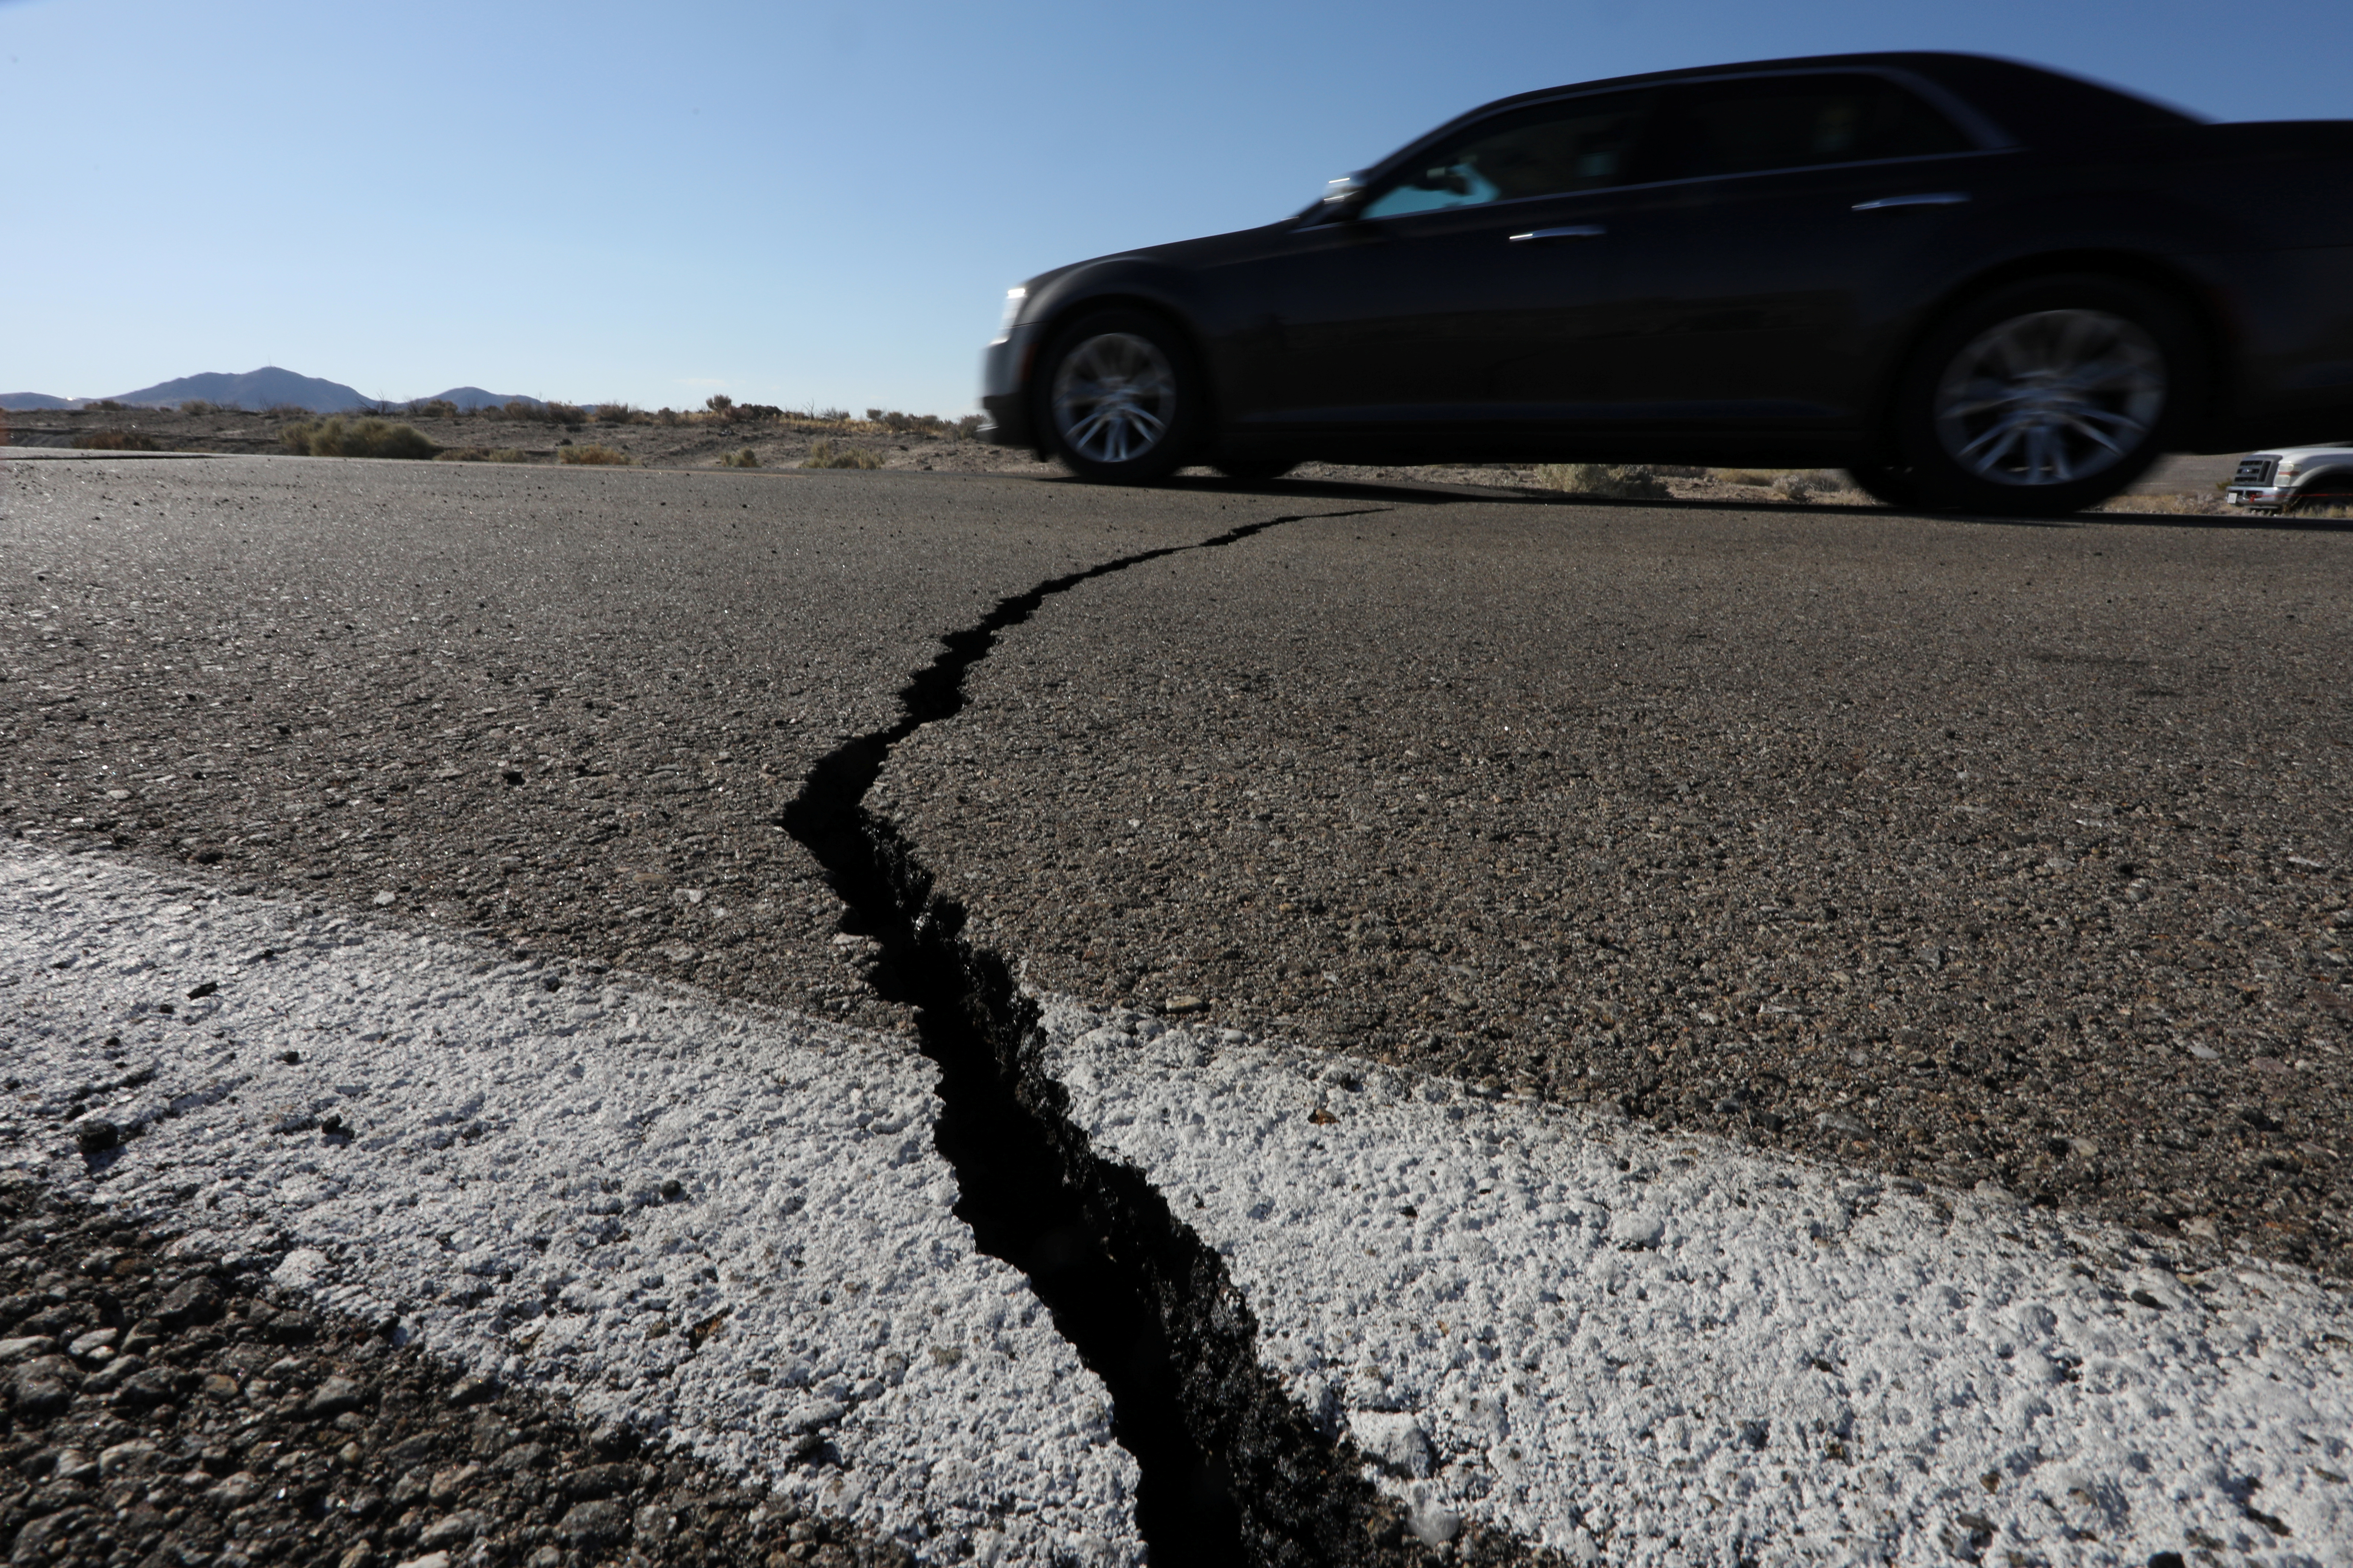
x=1121, y=401
x=2045, y=397
x=1255, y=470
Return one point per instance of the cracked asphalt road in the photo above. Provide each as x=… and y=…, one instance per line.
x=1970, y=853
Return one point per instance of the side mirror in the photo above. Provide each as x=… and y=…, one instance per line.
x=1342, y=198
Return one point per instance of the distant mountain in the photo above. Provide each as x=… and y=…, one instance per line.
x=473, y=397
x=257, y=389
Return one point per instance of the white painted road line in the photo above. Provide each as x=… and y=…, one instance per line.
x=801, y=1305
x=1650, y=1350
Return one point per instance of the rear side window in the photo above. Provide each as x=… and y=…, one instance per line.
x=1577, y=144
x=1764, y=123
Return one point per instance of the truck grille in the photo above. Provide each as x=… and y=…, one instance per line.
x=2256, y=471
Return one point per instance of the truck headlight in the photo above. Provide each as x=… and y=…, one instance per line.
x=1014, y=299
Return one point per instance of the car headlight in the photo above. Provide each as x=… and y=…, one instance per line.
x=1014, y=299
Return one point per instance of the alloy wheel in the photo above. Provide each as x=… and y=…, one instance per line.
x=2051, y=398
x=1115, y=398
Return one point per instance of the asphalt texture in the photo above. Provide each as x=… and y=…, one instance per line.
x=1968, y=852
x=164, y=1409
x=559, y=708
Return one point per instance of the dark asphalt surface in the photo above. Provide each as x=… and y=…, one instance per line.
x=1965, y=851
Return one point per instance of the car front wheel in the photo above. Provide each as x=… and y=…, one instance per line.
x=1122, y=404
x=2045, y=397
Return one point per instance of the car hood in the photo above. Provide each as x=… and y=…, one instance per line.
x=1210, y=250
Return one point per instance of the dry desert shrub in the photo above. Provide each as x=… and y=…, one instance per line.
x=595, y=454
x=969, y=426
x=746, y=458
x=201, y=406
x=117, y=441
x=618, y=413
x=1614, y=481
x=823, y=454
x=434, y=408
x=341, y=437
x=719, y=403
x=106, y=405
x=483, y=455
x=1807, y=484
x=286, y=411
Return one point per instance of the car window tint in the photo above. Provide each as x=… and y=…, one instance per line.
x=1579, y=144
x=1792, y=123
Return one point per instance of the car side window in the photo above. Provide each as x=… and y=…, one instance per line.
x=1552, y=149
x=1755, y=126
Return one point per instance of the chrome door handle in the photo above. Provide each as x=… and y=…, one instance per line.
x=1570, y=231
x=1927, y=199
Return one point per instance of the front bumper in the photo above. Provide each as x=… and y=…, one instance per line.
x=2261, y=498
x=1005, y=367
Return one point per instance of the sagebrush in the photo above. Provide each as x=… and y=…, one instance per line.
x=1612, y=481
x=117, y=441
x=341, y=437
x=824, y=454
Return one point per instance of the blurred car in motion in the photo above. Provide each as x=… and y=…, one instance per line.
x=1970, y=282
x=2287, y=478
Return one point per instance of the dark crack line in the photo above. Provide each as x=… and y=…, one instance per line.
x=1233, y=1468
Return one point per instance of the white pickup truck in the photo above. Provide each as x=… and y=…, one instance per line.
x=2290, y=476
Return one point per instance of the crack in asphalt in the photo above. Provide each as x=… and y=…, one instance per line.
x=1233, y=1468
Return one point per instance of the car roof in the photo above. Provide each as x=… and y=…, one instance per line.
x=2034, y=104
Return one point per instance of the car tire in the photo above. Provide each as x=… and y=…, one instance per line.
x=1118, y=399
x=1255, y=470
x=1888, y=484
x=2046, y=396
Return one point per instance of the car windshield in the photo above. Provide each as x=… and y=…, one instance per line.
x=1579, y=144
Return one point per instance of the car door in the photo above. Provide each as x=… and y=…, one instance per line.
x=1760, y=261
x=1467, y=290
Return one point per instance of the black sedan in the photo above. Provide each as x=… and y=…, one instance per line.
x=1970, y=282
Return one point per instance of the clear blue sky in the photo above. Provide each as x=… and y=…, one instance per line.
x=796, y=202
